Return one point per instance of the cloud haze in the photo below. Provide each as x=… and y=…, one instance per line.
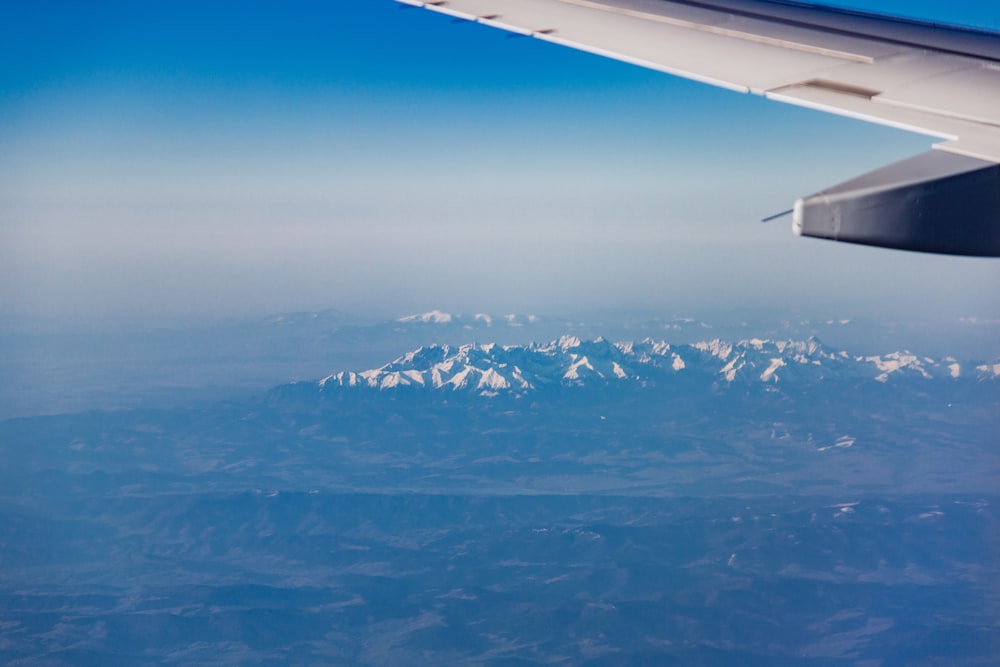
x=383, y=159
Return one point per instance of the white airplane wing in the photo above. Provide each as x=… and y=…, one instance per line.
x=939, y=80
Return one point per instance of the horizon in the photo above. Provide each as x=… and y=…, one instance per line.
x=60, y=369
x=371, y=159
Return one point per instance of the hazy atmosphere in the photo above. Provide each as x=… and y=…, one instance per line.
x=347, y=334
x=162, y=164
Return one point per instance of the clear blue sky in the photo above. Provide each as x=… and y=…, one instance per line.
x=176, y=160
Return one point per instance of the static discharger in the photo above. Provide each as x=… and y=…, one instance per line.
x=777, y=215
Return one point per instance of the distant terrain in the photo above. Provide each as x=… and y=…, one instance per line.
x=50, y=368
x=577, y=500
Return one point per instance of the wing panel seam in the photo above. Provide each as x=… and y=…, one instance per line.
x=723, y=32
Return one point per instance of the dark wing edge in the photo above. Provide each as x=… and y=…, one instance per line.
x=936, y=202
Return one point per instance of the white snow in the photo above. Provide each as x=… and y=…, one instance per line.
x=730, y=369
x=896, y=361
x=769, y=373
x=415, y=376
x=574, y=370
x=492, y=380
x=460, y=379
x=716, y=347
x=661, y=348
x=986, y=368
x=370, y=377
x=567, y=342
x=519, y=378
x=409, y=356
x=490, y=367
x=842, y=441
x=435, y=316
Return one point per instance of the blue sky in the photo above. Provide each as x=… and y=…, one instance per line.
x=162, y=162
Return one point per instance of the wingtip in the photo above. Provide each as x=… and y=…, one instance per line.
x=797, y=209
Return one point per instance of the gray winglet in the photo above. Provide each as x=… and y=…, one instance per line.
x=936, y=202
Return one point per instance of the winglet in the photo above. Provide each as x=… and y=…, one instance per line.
x=935, y=202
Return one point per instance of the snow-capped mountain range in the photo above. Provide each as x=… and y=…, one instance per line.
x=519, y=369
x=480, y=319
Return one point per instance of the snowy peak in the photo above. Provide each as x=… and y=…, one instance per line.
x=988, y=370
x=518, y=369
x=485, y=368
x=434, y=316
x=467, y=321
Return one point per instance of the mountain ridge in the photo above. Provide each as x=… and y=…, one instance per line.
x=568, y=361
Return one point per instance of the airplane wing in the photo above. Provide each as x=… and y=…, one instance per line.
x=939, y=80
